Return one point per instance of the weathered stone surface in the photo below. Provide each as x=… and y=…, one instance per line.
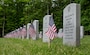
x=71, y=25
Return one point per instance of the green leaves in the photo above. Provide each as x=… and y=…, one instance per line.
x=19, y=12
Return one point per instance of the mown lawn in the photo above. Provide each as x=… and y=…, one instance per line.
x=10, y=46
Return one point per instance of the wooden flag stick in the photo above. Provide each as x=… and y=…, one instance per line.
x=49, y=43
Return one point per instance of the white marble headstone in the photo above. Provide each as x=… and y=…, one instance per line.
x=71, y=25
x=17, y=33
x=81, y=32
x=60, y=33
x=28, y=34
x=40, y=34
x=46, y=21
x=20, y=35
x=24, y=36
x=36, y=27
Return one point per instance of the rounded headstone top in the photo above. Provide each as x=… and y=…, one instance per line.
x=35, y=20
x=54, y=0
x=81, y=26
x=68, y=6
x=60, y=30
x=40, y=31
x=20, y=27
x=16, y=30
x=24, y=26
x=29, y=24
x=47, y=17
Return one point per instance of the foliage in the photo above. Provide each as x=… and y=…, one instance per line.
x=19, y=12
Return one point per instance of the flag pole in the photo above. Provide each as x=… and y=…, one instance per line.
x=49, y=42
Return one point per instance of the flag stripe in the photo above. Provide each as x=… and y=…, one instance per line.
x=32, y=30
x=51, y=32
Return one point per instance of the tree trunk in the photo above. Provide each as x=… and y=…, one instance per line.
x=3, y=27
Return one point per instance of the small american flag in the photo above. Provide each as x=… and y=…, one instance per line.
x=24, y=31
x=51, y=32
x=20, y=32
x=32, y=30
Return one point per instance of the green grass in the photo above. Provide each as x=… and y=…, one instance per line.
x=10, y=46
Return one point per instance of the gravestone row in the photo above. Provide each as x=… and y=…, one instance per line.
x=71, y=31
